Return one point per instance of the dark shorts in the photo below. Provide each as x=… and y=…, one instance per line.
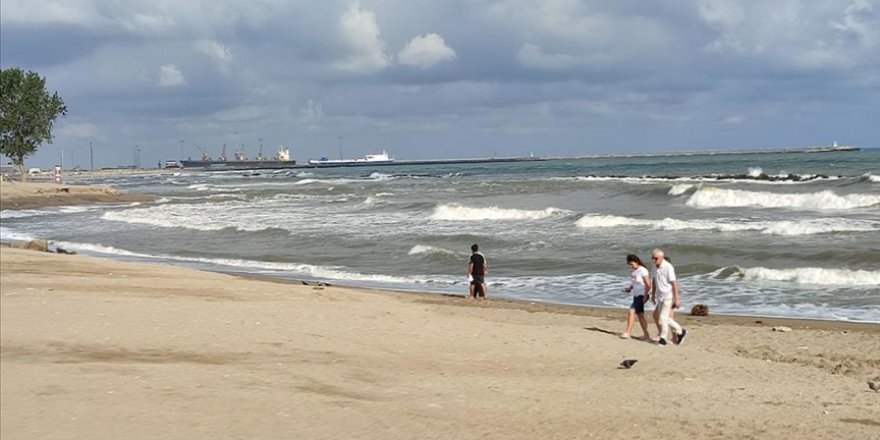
x=638, y=304
x=478, y=279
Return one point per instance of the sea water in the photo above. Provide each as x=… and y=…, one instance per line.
x=782, y=234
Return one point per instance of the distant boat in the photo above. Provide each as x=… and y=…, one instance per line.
x=172, y=164
x=282, y=160
x=370, y=159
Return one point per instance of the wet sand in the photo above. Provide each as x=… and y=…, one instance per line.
x=95, y=348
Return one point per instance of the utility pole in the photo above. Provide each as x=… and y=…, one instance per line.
x=340, y=147
x=182, y=141
x=91, y=157
x=137, y=156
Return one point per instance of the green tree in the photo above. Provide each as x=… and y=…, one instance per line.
x=27, y=113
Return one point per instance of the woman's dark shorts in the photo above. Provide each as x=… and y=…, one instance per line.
x=638, y=304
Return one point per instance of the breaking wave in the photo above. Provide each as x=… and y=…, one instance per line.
x=166, y=216
x=7, y=234
x=456, y=212
x=680, y=189
x=754, y=175
x=780, y=227
x=420, y=249
x=712, y=197
x=804, y=275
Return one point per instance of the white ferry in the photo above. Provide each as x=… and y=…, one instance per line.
x=370, y=159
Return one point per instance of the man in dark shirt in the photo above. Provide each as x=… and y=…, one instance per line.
x=477, y=270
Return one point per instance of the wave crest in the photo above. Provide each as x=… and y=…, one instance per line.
x=456, y=212
x=805, y=275
x=713, y=197
x=780, y=227
x=420, y=249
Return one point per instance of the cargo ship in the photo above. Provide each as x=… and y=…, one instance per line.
x=370, y=159
x=281, y=160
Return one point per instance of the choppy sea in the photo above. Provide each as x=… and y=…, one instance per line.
x=779, y=234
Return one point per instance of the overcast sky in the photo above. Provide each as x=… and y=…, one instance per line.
x=447, y=78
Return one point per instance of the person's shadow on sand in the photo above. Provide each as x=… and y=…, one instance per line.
x=615, y=334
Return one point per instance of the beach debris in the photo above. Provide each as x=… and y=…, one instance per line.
x=874, y=384
x=64, y=251
x=34, y=245
x=781, y=328
x=700, y=310
x=628, y=363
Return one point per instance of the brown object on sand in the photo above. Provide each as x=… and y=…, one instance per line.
x=700, y=310
x=33, y=245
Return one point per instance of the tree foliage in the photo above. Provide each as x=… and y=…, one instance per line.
x=27, y=114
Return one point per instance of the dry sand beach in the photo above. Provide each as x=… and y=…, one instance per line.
x=103, y=349
x=25, y=195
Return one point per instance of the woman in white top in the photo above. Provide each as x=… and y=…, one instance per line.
x=640, y=287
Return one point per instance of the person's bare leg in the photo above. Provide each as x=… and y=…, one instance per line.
x=485, y=292
x=630, y=320
x=644, y=322
x=472, y=292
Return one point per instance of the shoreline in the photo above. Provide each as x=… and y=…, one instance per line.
x=31, y=195
x=610, y=312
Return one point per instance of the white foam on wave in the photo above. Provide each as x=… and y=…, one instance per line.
x=319, y=272
x=380, y=176
x=7, y=234
x=755, y=171
x=591, y=221
x=22, y=213
x=810, y=275
x=680, y=189
x=713, y=197
x=456, y=212
x=779, y=227
x=420, y=249
x=805, y=178
x=25, y=213
x=214, y=188
x=872, y=178
x=167, y=216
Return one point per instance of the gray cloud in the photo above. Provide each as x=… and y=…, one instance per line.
x=459, y=77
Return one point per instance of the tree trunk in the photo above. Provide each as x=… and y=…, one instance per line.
x=21, y=170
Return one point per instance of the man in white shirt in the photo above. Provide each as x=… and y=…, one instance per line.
x=665, y=294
